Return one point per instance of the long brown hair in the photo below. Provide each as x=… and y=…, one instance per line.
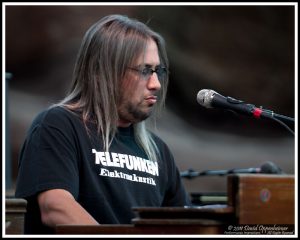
x=108, y=48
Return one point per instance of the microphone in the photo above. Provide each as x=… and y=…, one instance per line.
x=271, y=168
x=211, y=99
x=266, y=168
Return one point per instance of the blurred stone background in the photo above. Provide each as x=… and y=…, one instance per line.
x=246, y=52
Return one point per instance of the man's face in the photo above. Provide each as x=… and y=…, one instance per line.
x=138, y=94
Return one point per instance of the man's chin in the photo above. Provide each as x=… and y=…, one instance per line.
x=141, y=115
x=135, y=115
x=142, y=118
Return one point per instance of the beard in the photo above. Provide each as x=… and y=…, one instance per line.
x=134, y=113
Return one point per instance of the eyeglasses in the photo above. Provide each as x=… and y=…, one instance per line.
x=147, y=72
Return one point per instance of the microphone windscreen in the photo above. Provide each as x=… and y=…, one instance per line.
x=204, y=97
x=270, y=167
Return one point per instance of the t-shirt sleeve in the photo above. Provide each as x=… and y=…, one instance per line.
x=49, y=159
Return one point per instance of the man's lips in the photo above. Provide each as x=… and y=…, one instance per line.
x=151, y=99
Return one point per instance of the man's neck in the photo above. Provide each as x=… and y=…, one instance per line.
x=122, y=123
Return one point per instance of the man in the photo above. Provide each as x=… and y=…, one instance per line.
x=90, y=159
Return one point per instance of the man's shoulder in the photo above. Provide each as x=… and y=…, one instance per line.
x=54, y=115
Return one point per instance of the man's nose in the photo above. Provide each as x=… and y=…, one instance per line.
x=153, y=82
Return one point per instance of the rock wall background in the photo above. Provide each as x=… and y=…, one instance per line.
x=246, y=52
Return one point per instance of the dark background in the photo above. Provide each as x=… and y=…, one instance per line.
x=246, y=52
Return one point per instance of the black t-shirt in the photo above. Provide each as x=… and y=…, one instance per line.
x=59, y=153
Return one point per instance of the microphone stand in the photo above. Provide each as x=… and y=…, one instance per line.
x=192, y=173
x=281, y=119
x=285, y=119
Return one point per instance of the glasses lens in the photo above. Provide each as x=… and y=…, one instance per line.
x=161, y=72
x=146, y=72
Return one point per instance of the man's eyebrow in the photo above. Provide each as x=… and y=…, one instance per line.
x=150, y=66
